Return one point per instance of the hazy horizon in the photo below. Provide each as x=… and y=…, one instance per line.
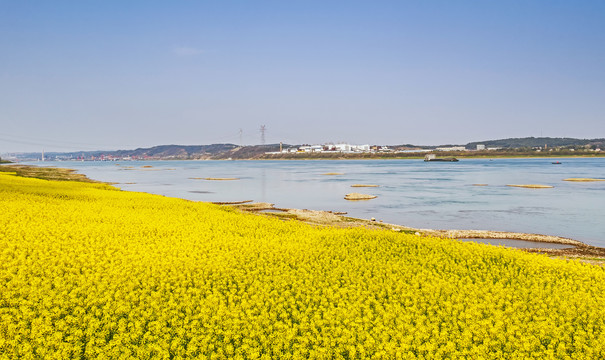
x=79, y=76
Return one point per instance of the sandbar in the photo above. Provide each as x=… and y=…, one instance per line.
x=358, y=196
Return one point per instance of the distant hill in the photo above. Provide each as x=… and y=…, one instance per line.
x=231, y=151
x=175, y=151
x=532, y=142
x=165, y=152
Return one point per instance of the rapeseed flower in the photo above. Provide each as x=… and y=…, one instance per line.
x=88, y=271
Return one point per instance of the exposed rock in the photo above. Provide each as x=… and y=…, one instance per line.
x=314, y=216
x=358, y=196
x=258, y=206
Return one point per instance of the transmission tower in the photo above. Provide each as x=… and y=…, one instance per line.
x=263, y=128
x=241, y=143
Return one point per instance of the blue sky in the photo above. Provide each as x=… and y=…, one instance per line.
x=85, y=75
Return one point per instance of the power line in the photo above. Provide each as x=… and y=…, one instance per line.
x=15, y=138
x=51, y=143
x=45, y=144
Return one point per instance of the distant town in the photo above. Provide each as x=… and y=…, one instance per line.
x=505, y=147
x=351, y=149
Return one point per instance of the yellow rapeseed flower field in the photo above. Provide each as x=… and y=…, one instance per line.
x=88, y=271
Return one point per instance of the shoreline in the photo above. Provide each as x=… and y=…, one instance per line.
x=350, y=156
x=577, y=248
x=417, y=156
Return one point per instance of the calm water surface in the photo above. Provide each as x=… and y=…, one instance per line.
x=437, y=195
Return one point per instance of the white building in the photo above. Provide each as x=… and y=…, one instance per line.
x=361, y=148
x=311, y=148
x=342, y=147
x=453, y=148
x=347, y=148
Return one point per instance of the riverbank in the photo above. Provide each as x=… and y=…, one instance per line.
x=417, y=156
x=577, y=249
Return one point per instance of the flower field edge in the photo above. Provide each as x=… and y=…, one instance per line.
x=88, y=271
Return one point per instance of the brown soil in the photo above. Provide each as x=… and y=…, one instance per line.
x=233, y=202
x=247, y=206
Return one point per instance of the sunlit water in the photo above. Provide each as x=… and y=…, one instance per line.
x=437, y=195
